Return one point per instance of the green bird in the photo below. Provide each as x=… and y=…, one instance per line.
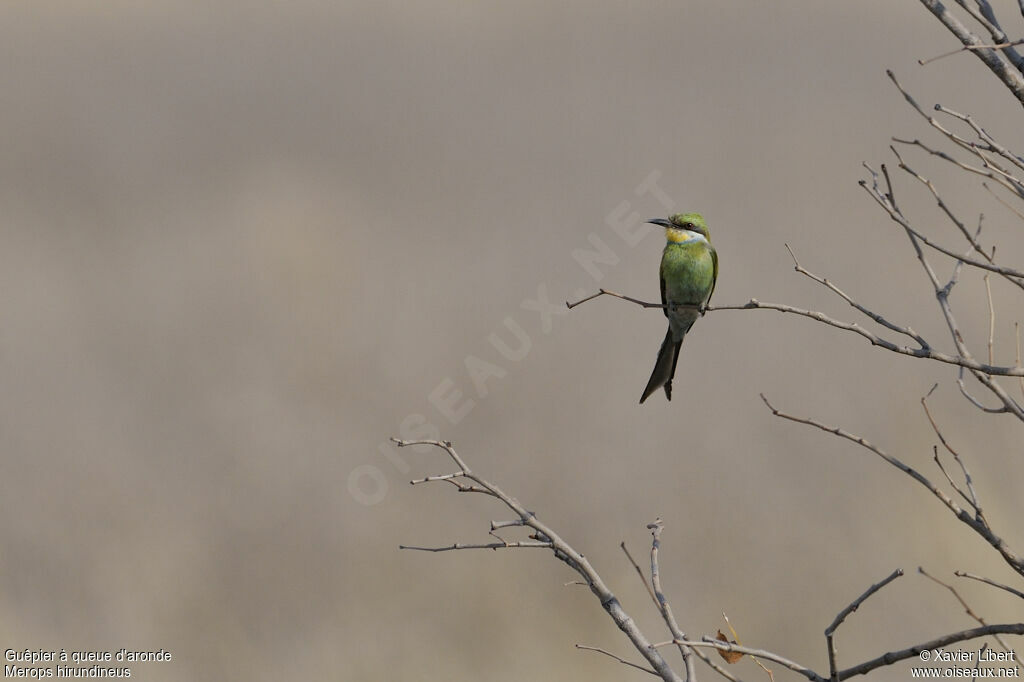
x=689, y=269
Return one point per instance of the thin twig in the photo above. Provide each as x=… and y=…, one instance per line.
x=991, y=144
x=991, y=318
x=1016, y=328
x=942, y=293
x=1015, y=277
x=994, y=60
x=1000, y=409
x=640, y=573
x=994, y=172
x=620, y=660
x=979, y=525
x=989, y=581
x=841, y=616
x=970, y=612
x=443, y=477
x=967, y=48
x=1002, y=201
x=869, y=313
x=497, y=525
x=643, y=304
x=991, y=171
x=971, y=239
x=973, y=499
x=463, y=488
x=952, y=483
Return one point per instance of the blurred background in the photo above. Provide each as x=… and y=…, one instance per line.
x=244, y=244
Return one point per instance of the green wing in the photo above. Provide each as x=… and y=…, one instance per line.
x=714, y=276
x=661, y=276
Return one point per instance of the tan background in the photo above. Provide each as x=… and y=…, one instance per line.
x=242, y=244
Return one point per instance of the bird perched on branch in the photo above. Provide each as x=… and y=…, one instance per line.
x=689, y=269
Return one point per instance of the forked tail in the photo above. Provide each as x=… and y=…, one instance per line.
x=664, y=368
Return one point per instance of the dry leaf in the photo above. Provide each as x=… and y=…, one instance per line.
x=728, y=656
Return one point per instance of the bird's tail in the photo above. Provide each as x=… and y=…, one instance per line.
x=664, y=368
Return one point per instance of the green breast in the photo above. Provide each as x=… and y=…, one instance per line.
x=688, y=272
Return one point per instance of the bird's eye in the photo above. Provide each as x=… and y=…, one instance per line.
x=688, y=226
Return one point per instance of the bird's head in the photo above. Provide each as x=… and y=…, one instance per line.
x=684, y=227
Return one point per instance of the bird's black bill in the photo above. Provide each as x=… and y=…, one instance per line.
x=660, y=221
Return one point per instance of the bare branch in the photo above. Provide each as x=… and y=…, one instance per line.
x=712, y=643
x=489, y=545
x=993, y=172
x=1001, y=409
x=984, y=16
x=623, y=661
x=993, y=60
x=1016, y=329
x=641, y=574
x=443, y=477
x=875, y=340
x=952, y=483
x=989, y=581
x=867, y=666
x=736, y=637
x=710, y=663
x=971, y=239
x=990, y=142
x=841, y=616
x=855, y=604
x=1012, y=275
x=546, y=538
x=979, y=525
x=445, y=445
x=1002, y=201
x=910, y=652
x=989, y=173
x=663, y=606
x=991, y=318
x=970, y=612
x=967, y=48
x=942, y=293
x=714, y=666
x=869, y=313
x=986, y=10
x=973, y=499
x=989, y=19
x=468, y=488
x=643, y=304
x=496, y=525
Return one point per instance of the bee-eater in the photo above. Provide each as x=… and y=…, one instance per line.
x=689, y=269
